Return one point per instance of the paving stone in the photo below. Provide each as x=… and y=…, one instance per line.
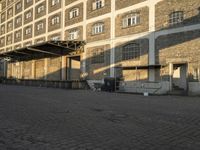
x=34, y=118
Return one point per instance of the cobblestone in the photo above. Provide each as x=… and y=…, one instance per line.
x=34, y=118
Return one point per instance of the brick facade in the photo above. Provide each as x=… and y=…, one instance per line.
x=98, y=70
x=97, y=12
x=39, y=13
x=55, y=26
x=70, y=21
x=96, y=37
x=126, y=3
x=39, y=30
x=142, y=26
x=190, y=10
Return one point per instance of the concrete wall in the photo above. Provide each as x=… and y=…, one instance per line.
x=141, y=87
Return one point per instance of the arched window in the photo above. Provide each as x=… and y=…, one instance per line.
x=131, y=51
x=131, y=19
x=74, y=13
x=97, y=56
x=176, y=17
x=97, y=4
x=98, y=28
x=55, y=20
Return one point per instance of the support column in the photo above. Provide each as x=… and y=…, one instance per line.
x=112, y=35
x=64, y=68
x=152, y=60
x=4, y=69
x=33, y=69
x=21, y=69
x=45, y=68
x=68, y=68
x=171, y=76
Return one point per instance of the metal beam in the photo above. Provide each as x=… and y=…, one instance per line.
x=41, y=51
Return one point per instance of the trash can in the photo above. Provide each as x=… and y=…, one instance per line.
x=111, y=84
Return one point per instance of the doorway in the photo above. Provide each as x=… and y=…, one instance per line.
x=74, y=68
x=179, y=77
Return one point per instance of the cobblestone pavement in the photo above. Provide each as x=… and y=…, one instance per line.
x=34, y=118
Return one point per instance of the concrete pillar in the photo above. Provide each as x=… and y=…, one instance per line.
x=152, y=60
x=45, y=68
x=68, y=68
x=4, y=69
x=33, y=69
x=64, y=68
x=21, y=70
x=171, y=75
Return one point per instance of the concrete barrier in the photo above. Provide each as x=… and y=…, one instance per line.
x=74, y=84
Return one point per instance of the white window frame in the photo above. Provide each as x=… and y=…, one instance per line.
x=97, y=4
x=176, y=17
x=54, y=2
x=73, y=34
x=40, y=26
x=131, y=20
x=10, y=11
x=28, y=15
x=55, y=38
x=28, y=31
x=18, y=20
x=10, y=25
x=98, y=28
x=55, y=20
x=18, y=35
x=74, y=13
x=19, y=5
x=40, y=9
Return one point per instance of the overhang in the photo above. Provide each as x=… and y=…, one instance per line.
x=45, y=49
x=156, y=66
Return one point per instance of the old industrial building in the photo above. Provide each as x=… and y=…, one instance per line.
x=151, y=45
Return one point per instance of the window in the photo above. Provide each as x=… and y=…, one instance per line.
x=73, y=35
x=131, y=51
x=97, y=4
x=40, y=26
x=10, y=12
x=40, y=9
x=9, y=38
x=18, y=35
x=55, y=20
x=10, y=25
x=2, y=29
x=98, y=28
x=19, y=19
x=54, y=2
x=131, y=20
x=74, y=13
x=97, y=56
x=176, y=17
x=28, y=31
x=55, y=38
x=3, y=16
x=28, y=1
x=28, y=15
x=19, y=5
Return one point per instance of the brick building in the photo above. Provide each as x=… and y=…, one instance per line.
x=152, y=45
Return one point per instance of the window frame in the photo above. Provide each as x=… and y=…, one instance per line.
x=74, y=13
x=176, y=17
x=98, y=28
x=55, y=20
x=131, y=51
x=131, y=20
x=98, y=56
